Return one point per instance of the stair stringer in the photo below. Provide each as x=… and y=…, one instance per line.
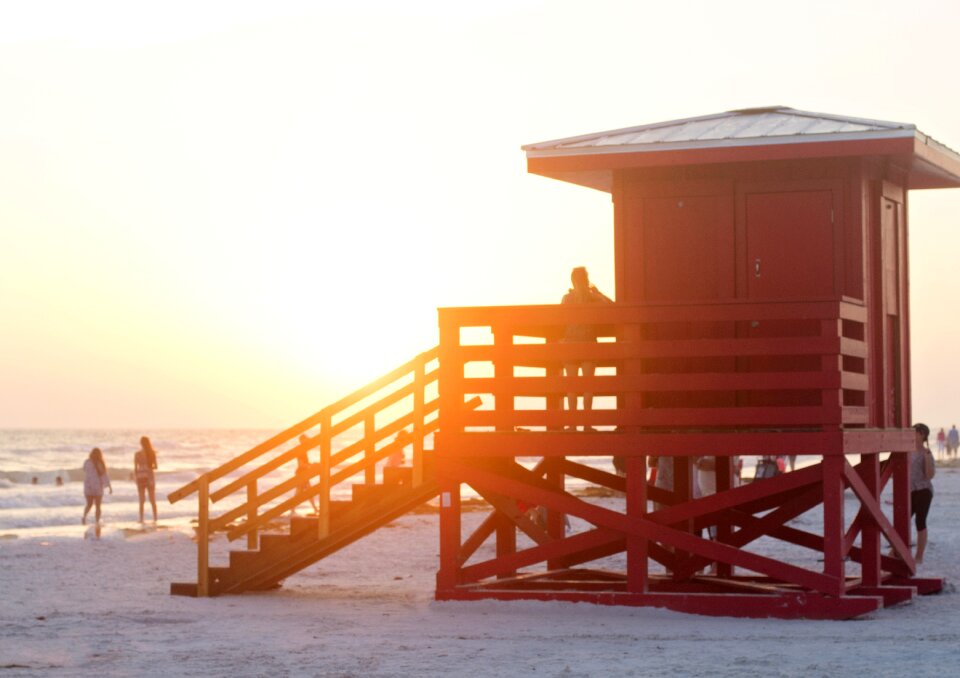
x=353, y=525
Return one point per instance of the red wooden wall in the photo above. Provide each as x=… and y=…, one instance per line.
x=804, y=230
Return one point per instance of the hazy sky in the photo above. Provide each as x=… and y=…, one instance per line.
x=227, y=214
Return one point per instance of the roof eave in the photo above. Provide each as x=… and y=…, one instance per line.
x=932, y=165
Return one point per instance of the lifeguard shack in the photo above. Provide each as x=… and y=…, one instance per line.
x=762, y=309
x=762, y=289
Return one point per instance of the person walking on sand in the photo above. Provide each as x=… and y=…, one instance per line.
x=144, y=464
x=95, y=479
x=941, y=442
x=582, y=292
x=922, y=470
x=953, y=441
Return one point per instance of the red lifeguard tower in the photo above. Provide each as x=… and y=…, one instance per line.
x=762, y=309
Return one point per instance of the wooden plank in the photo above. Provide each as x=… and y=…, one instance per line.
x=624, y=313
x=784, y=605
x=871, y=505
x=523, y=354
x=695, y=442
x=507, y=507
x=637, y=552
x=700, y=417
x=869, y=470
x=833, y=521
x=737, y=496
x=593, y=475
x=686, y=381
x=554, y=550
x=606, y=518
x=449, y=573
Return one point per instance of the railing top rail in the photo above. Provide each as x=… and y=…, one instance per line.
x=527, y=316
x=308, y=423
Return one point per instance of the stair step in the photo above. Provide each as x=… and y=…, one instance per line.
x=270, y=542
x=398, y=475
x=364, y=493
x=241, y=559
x=218, y=575
x=304, y=528
x=183, y=589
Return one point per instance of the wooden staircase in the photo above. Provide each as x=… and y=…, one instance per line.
x=361, y=435
x=281, y=555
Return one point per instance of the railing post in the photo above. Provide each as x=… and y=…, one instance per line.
x=252, y=535
x=503, y=400
x=418, y=405
x=369, y=450
x=323, y=519
x=203, y=543
x=832, y=366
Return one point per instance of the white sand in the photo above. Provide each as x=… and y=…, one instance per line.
x=102, y=608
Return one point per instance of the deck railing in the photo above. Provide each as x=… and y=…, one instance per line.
x=352, y=435
x=698, y=367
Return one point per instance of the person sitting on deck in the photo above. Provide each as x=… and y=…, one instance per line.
x=582, y=292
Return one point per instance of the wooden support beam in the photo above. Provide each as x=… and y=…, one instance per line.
x=203, y=537
x=871, y=505
x=449, y=574
x=833, y=556
x=637, y=555
x=645, y=529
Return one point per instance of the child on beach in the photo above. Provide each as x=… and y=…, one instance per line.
x=95, y=478
x=144, y=463
x=922, y=470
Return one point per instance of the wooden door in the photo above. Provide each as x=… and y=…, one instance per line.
x=790, y=245
x=789, y=255
x=681, y=249
x=686, y=247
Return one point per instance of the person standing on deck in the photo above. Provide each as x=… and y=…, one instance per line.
x=581, y=293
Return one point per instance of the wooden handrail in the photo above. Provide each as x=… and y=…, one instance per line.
x=334, y=478
x=380, y=407
x=728, y=364
x=302, y=426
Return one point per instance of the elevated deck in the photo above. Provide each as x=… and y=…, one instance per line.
x=679, y=381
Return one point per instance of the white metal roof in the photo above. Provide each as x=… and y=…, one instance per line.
x=743, y=127
x=748, y=134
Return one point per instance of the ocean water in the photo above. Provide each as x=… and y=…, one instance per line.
x=32, y=503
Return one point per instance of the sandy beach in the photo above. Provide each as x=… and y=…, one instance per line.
x=80, y=606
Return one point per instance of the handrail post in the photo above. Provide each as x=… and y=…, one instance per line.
x=323, y=519
x=418, y=424
x=369, y=451
x=203, y=544
x=252, y=535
